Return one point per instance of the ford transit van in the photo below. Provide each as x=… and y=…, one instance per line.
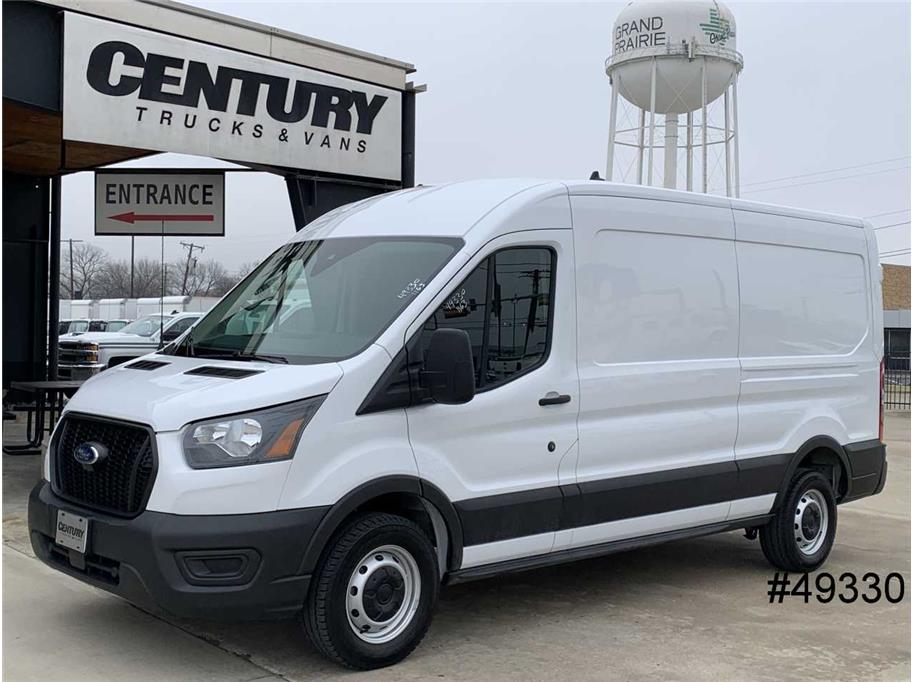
x=448, y=383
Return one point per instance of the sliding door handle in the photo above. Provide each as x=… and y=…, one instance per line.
x=554, y=398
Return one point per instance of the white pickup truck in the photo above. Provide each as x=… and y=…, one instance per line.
x=81, y=356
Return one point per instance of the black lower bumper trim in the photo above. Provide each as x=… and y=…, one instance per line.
x=868, y=468
x=185, y=564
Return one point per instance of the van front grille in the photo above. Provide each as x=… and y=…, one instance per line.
x=118, y=483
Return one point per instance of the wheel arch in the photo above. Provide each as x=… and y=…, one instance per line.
x=820, y=452
x=407, y=495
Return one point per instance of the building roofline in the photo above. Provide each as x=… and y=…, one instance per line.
x=272, y=30
x=240, y=35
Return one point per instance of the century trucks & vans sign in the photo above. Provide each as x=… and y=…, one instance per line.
x=130, y=87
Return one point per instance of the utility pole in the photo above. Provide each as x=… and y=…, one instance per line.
x=190, y=246
x=72, y=290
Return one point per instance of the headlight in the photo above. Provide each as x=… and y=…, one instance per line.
x=262, y=436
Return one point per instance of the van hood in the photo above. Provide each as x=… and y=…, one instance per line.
x=166, y=398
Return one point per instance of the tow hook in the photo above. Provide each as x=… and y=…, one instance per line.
x=751, y=533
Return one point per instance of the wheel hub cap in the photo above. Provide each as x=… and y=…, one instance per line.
x=383, y=594
x=811, y=522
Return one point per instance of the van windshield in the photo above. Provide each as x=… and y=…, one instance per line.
x=319, y=301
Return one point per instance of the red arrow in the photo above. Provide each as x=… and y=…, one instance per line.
x=132, y=217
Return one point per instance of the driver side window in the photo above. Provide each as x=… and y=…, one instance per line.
x=505, y=307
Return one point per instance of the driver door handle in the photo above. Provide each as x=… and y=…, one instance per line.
x=554, y=398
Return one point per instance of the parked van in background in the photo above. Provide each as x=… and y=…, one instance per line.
x=482, y=377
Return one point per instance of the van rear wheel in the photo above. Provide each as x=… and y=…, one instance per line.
x=800, y=535
x=373, y=593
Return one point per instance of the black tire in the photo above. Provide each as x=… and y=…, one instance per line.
x=778, y=538
x=326, y=612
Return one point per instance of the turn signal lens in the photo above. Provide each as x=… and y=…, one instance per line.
x=285, y=442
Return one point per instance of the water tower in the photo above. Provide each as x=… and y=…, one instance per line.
x=672, y=59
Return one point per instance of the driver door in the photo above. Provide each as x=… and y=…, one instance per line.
x=502, y=457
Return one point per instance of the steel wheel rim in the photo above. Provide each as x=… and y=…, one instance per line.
x=383, y=594
x=812, y=521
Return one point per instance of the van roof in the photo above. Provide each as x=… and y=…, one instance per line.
x=452, y=209
x=589, y=187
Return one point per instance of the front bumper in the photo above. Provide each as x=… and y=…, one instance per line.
x=240, y=566
x=78, y=372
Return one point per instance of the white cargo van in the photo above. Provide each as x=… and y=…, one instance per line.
x=446, y=383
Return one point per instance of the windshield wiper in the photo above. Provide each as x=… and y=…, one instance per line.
x=277, y=359
x=238, y=355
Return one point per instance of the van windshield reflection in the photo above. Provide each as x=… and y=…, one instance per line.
x=319, y=301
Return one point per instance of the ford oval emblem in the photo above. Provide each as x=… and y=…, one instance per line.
x=90, y=453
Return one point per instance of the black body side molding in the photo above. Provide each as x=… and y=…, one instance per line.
x=592, y=551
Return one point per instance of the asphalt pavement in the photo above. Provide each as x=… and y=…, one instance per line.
x=689, y=610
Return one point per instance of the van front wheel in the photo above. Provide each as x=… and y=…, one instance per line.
x=800, y=535
x=373, y=594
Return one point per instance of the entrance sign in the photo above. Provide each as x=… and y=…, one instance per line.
x=162, y=202
x=131, y=87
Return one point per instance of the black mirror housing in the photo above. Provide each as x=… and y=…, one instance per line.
x=449, y=371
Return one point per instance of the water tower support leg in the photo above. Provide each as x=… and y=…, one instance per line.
x=737, y=167
x=640, y=133
x=705, y=184
x=612, y=125
x=690, y=151
x=728, y=161
x=652, y=119
x=671, y=151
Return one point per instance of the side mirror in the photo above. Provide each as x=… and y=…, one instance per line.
x=449, y=373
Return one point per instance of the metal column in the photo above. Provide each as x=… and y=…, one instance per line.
x=737, y=168
x=671, y=151
x=640, y=146
x=690, y=151
x=652, y=116
x=705, y=183
x=612, y=124
x=728, y=188
x=54, y=280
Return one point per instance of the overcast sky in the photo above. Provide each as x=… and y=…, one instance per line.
x=520, y=90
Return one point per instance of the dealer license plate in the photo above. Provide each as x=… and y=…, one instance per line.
x=72, y=531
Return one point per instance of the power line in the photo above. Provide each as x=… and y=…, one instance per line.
x=824, y=172
x=817, y=182
x=896, y=252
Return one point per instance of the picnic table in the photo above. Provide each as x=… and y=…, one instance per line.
x=49, y=397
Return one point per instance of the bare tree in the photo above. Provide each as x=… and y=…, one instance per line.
x=89, y=261
x=209, y=278
x=97, y=276
x=114, y=280
x=147, y=279
x=245, y=269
